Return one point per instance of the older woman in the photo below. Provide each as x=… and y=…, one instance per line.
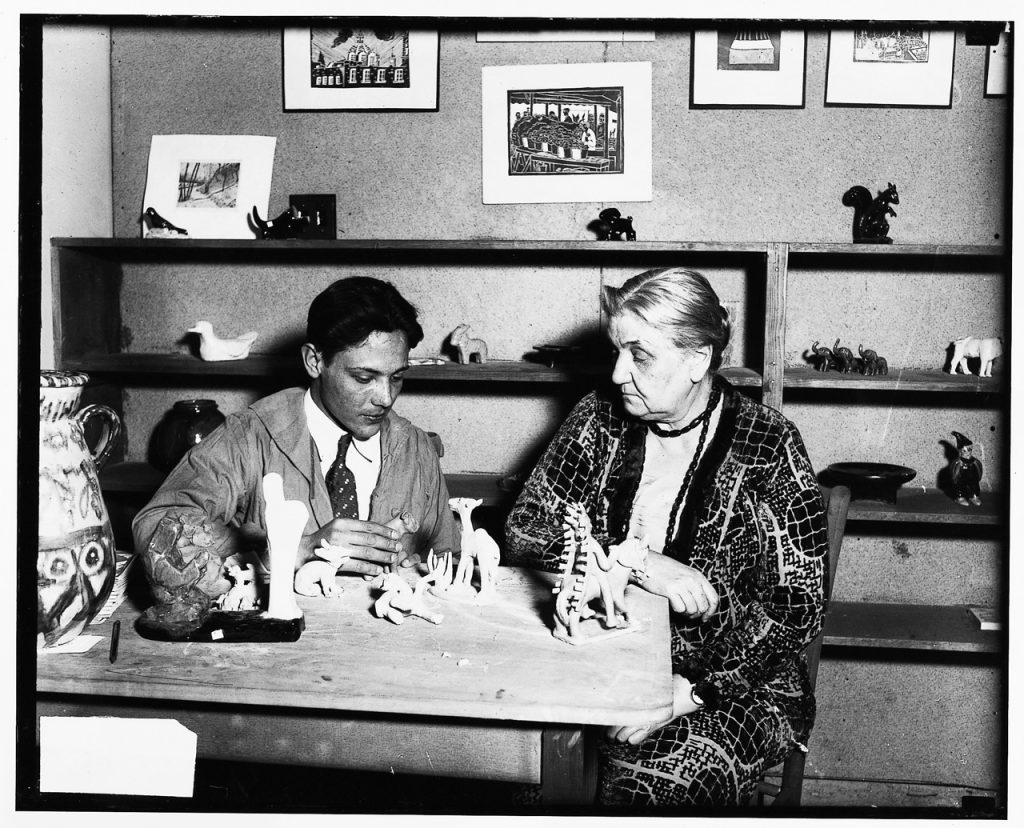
x=723, y=492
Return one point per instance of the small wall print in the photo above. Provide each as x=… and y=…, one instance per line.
x=208, y=185
x=353, y=67
x=889, y=66
x=756, y=68
x=567, y=132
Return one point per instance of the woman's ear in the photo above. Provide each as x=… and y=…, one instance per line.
x=312, y=360
x=700, y=363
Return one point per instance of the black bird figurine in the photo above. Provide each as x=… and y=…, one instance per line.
x=154, y=221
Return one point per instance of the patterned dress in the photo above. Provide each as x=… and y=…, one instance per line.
x=753, y=523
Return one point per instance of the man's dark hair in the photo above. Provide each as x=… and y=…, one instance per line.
x=351, y=309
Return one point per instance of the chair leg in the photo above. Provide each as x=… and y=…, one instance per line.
x=792, y=785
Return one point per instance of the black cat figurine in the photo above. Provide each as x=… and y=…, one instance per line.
x=870, y=225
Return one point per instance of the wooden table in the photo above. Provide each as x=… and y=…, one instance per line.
x=488, y=693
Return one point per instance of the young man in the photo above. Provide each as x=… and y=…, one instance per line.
x=358, y=337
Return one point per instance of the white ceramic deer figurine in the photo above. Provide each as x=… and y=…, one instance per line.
x=477, y=547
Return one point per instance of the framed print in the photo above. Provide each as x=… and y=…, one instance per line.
x=890, y=67
x=208, y=184
x=997, y=67
x=566, y=132
x=337, y=68
x=756, y=68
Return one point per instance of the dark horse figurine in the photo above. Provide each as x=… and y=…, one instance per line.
x=870, y=225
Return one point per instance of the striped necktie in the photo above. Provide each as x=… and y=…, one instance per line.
x=341, y=483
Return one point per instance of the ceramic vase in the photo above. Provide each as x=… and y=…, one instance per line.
x=185, y=425
x=76, y=562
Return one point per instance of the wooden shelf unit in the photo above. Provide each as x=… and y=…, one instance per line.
x=87, y=276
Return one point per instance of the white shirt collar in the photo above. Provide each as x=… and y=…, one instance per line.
x=326, y=433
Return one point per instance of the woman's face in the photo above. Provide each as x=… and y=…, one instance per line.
x=659, y=381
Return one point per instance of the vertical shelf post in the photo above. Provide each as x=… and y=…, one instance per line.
x=776, y=267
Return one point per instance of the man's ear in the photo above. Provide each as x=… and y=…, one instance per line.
x=312, y=360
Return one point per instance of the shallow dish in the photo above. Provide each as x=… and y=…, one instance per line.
x=871, y=481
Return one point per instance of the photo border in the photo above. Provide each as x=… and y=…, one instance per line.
x=298, y=96
x=879, y=84
x=714, y=88
x=635, y=181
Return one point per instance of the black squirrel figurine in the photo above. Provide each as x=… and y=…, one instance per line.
x=289, y=225
x=870, y=225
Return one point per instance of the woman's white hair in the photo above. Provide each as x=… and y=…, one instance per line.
x=680, y=303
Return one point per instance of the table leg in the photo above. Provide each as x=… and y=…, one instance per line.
x=568, y=770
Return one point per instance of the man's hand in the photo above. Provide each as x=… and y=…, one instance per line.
x=687, y=590
x=359, y=546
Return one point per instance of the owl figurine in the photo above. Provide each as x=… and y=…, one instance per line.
x=965, y=472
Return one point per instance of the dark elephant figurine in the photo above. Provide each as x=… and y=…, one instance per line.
x=843, y=357
x=826, y=359
x=868, y=359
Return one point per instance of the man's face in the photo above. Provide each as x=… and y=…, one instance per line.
x=358, y=386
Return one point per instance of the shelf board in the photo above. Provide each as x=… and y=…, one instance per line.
x=242, y=246
x=898, y=379
x=184, y=246
x=908, y=627
x=258, y=365
x=917, y=505
x=844, y=249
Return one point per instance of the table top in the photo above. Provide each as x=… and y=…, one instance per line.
x=497, y=661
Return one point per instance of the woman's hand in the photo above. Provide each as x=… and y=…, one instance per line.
x=682, y=705
x=687, y=590
x=359, y=546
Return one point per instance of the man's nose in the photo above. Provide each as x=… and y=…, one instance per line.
x=383, y=395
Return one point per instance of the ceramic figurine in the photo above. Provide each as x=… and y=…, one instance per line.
x=75, y=564
x=843, y=358
x=965, y=472
x=589, y=573
x=987, y=350
x=285, y=521
x=610, y=226
x=157, y=227
x=215, y=349
x=870, y=223
x=479, y=553
x=244, y=593
x=468, y=347
x=871, y=363
x=824, y=356
x=398, y=599
x=289, y=225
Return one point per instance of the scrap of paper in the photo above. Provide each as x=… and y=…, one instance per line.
x=108, y=755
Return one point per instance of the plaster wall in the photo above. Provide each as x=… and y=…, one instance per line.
x=76, y=146
x=719, y=175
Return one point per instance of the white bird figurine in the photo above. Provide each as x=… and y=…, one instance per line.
x=214, y=349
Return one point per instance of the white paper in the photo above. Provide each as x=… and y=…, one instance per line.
x=209, y=184
x=78, y=644
x=107, y=755
x=503, y=185
x=998, y=69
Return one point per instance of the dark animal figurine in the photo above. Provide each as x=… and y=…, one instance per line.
x=881, y=366
x=826, y=359
x=965, y=472
x=868, y=358
x=870, y=225
x=288, y=225
x=155, y=222
x=843, y=357
x=610, y=225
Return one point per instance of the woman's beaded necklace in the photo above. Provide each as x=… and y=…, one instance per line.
x=704, y=420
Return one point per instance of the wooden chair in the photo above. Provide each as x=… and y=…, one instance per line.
x=787, y=793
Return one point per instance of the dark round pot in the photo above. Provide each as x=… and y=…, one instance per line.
x=185, y=425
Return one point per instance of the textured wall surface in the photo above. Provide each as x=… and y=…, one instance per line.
x=719, y=175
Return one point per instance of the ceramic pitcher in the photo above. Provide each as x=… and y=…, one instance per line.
x=76, y=561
